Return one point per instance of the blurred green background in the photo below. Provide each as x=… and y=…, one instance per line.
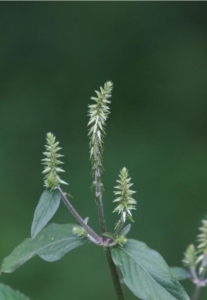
x=52, y=58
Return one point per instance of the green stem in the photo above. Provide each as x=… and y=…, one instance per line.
x=112, y=267
x=114, y=275
x=200, y=280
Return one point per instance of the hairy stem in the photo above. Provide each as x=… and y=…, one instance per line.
x=196, y=292
x=99, y=193
x=200, y=280
x=78, y=217
x=194, y=274
x=114, y=275
x=112, y=267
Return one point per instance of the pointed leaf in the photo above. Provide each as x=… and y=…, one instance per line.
x=45, y=210
x=86, y=220
x=146, y=273
x=51, y=244
x=125, y=230
x=6, y=293
x=109, y=235
x=180, y=273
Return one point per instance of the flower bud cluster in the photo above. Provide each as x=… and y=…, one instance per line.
x=79, y=231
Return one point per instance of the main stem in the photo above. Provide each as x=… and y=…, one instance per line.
x=196, y=292
x=200, y=280
x=112, y=267
x=114, y=275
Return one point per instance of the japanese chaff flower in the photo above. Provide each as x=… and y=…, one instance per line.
x=125, y=200
x=51, y=162
x=190, y=257
x=98, y=114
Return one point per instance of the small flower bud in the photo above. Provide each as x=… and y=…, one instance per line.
x=120, y=240
x=79, y=231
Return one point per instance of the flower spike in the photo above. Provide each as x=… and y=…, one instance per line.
x=202, y=246
x=98, y=114
x=190, y=257
x=51, y=162
x=126, y=202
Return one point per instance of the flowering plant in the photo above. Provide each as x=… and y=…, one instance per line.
x=144, y=270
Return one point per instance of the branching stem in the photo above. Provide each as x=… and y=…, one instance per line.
x=78, y=217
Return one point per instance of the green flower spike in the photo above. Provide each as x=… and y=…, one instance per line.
x=190, y=257
x=126, y=202
x=98, y=114
x=202, y=246
x=51, y=162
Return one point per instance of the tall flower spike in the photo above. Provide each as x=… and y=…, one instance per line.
x=190, y=257
x=202, y=239
x=98, y=113
x=126, y=202
x=51, y=162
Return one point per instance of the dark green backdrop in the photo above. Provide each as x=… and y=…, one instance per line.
x=52, y=57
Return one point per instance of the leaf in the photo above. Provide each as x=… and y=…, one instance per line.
x=6, y=293
x=125, y=230
x=109, y=235
x=180, y=273
x=51, y=244
x=86, y=220
x=45, y=210
x=146, y=273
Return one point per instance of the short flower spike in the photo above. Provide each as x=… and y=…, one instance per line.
x=190, y=257
x=126, y=202
x=51, y=162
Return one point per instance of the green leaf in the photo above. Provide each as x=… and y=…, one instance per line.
x=51, y=244
x=45, y=210
x=109, y=235
x=125, y=230
x=146, y=273
x=6, y=293
x=180, y=273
